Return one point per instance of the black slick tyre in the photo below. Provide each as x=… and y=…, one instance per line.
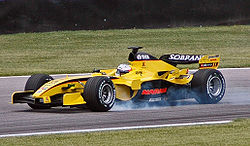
x=208, y=86
x=99, y=93
x=34, y=83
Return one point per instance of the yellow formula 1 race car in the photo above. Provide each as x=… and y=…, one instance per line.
x=145, y=79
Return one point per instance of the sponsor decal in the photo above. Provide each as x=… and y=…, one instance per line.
x=44, y=88
x=216, y=56
x=213, y=59
x=209, y=64
x=154, y=91
x=138, y=72
x=181, y=57
x=155, y=99
x=46, y=100
x=142, y=57
x=39, y=91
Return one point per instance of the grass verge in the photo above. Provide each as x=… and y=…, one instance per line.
x=82, y=51
x=236, y=133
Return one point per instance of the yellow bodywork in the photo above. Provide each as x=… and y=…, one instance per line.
x=72, y=88
x=74, y=98
x=209, y=62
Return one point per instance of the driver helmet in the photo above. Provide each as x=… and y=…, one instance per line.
x=123, y=69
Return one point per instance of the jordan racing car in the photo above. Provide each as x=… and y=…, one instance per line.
x=144, y=79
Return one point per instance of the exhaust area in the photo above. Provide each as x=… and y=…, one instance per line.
x=175, y=96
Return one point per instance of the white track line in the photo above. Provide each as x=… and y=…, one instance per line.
x=234, y=69
x=6, y=77
x=116, y=128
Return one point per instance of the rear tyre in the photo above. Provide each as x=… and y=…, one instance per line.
x=208, y=86
x=34, y=83
x=99, y=93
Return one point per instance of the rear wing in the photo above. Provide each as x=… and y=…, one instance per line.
x=209, y=62
x=205, y=61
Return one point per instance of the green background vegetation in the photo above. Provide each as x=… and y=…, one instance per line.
x=82, y=51
x=236, y=133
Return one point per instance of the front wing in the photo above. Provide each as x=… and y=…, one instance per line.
x=66, y=99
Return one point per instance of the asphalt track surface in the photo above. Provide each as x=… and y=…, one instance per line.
x=20, y=118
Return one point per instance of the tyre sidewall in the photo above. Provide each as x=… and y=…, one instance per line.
x=103, y=83
x=211, y=98
x=93, y=93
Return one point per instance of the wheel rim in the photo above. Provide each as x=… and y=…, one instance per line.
x=214, y=86
x=107, y=94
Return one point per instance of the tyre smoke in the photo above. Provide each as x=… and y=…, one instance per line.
x=130, y=105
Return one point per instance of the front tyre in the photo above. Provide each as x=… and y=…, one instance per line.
x=208, y=86
x=99, y=93
x=34, y=83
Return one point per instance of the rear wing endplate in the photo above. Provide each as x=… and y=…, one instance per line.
x=209, y=62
